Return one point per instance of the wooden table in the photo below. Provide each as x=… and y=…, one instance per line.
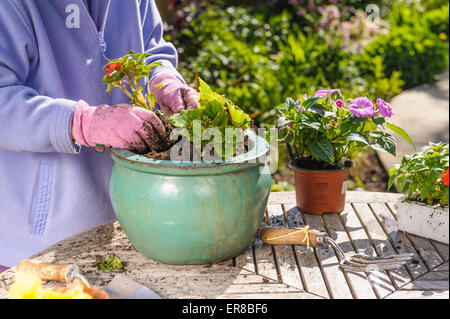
x=367, y=225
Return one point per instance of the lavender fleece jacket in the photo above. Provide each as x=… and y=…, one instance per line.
x=50, y=188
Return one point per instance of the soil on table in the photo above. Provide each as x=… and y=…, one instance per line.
x=367, y=173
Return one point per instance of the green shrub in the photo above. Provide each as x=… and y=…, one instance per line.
x=257, y=63
x=416, y=52
x=438, y=20
x=433, y=19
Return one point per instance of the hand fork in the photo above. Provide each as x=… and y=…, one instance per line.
x=314, y=238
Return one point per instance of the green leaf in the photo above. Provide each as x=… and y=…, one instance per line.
x=213, y=109
x=391, y=181
x=384, y=142
x=379, y=120
x=179, y=119
x=323, y=149
x=400, y=132
x=238, y=117
x=290, y=103
x=355, y=137
x=282, y=121
x=310, y=102
x=312, y=124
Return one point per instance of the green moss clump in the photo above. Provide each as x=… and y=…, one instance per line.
x=109, y=263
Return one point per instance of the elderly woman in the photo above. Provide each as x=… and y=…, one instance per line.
x=53, y=184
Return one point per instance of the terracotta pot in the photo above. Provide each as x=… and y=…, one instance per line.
x=320, y=191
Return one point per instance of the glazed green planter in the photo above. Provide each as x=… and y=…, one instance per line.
x=190, y=213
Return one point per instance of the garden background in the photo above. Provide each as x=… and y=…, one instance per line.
x=258, y=53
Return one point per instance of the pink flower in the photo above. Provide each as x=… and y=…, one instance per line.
x=327, y=92
x=340, y=103
x=362, y=107
x=385, y=108
x=327, y=126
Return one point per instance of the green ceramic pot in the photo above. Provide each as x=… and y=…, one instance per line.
x=191, y=213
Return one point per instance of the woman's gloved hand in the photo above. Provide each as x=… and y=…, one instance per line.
x=174, y=96
x=121, y=126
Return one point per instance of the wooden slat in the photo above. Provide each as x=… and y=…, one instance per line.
x=435, y=275
x=380, y=281
x=334, y=277
x=307, y=261
x=246, y=259
x=423, y=246
x=426, y=250
x=287, y=264
x=443, y=267
x=426, y=285
x=359, y=283
x=442, y=249
x=405, y=294
x=265, y=260
x=297, y=295
x=380, y=242
x=352, y=197
x=401, y=243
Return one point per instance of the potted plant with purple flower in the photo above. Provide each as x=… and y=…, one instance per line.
x=321, y=133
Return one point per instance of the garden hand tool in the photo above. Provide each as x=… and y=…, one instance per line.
x=120, y=287
x=314, y=238
x=172, y=95
x=120, y=126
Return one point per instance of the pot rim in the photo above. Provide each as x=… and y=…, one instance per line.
x=259, y=149
x=292, y=166
x=404, y=200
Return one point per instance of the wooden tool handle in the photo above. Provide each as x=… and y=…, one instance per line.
x=49, y=272
x=291, y=236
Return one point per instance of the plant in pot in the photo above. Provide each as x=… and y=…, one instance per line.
x=189, y=212
x=423, y=178
x=321, y=133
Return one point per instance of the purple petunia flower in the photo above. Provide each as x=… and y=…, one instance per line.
x=385, y=108
x=326, y=92
x=340, y=103
x=362, y=107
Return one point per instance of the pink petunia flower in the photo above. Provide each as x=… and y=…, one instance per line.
x=385, y=108
x=362, y=107
x=340, y=103
x=327, y=92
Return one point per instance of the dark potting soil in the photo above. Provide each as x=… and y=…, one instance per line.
x=309, y=162
x=161, y=149
x=165, y=155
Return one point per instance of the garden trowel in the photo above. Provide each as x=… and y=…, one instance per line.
x=120, y=287
x=123, y=287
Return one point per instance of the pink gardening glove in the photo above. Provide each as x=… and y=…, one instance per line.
x=174, y=96
x=120, y=126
